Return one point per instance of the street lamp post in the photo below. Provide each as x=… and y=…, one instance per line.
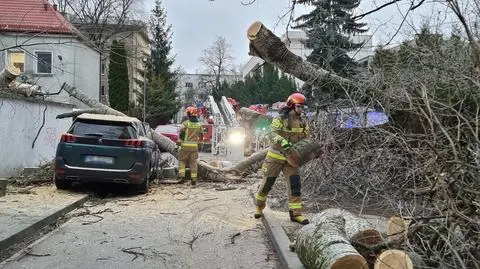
x=144, y=87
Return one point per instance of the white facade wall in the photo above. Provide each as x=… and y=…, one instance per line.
x=21, y=120
x=73, y=62
x=200, y=83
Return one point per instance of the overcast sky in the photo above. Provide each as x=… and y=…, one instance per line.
x=197, y=23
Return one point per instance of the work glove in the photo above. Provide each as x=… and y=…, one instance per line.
x=285, y=144
x=177, y=148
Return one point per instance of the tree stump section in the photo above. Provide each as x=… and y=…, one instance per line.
x=397, y=228
x=393, y=259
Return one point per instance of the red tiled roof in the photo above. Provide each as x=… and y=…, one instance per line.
x=36, y=16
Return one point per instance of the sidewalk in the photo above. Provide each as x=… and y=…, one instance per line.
x=24, y=211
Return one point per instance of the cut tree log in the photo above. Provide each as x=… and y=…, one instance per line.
x=324, y=246
x=247, y=115
x=269, y=47
x=326, y=241
x=302, y=152
x=397, y=228
x=356, y=228
x=397, y=259
x=9, y=74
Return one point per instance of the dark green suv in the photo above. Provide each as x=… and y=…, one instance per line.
x=106, y=148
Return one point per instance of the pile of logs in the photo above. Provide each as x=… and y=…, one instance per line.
x=337, y=239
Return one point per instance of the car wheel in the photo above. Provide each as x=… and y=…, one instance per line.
x=62, y=184
x=143, y=188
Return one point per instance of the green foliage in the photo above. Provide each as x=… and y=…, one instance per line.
x=263, y=87
x=118, y=78
x=327, y=27
x=161, y=103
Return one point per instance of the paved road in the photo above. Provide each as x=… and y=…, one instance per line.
x=174, y=226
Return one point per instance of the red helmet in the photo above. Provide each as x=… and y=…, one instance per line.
x=191, y=111
x=296, y=99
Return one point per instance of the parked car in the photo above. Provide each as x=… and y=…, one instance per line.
x=171, y=131
x=106, y=148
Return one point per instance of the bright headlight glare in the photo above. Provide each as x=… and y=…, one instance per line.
x=236, y=138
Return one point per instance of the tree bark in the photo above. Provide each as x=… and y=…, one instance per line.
x=324, y=245
x=247, y=115
x=7, y=75
x=82, y=111
x=326, y=241
x=25, y=88
x=269, y=47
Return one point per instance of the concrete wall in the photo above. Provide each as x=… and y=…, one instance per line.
x=21, y=120
x=73, y=62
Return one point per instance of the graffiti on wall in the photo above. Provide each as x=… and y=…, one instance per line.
x=50, y=137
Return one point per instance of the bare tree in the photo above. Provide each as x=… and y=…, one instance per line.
x=100, y=19
x=217, y=61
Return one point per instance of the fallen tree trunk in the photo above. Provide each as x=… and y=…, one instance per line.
x=25, y=88
x=163, y=142
x=205, y=170
x=269, y=47
x=235, y=173
x=327, y=241
x=82, y=111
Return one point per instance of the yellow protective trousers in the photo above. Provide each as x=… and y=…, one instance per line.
x=272, y=166
x=188, y=157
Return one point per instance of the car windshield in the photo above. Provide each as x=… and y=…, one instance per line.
x=109, y=130
x=167, y=129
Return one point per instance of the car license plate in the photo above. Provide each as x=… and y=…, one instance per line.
x=99, y=159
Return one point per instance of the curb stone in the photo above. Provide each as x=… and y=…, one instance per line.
x=18, y=236
x=281, y=242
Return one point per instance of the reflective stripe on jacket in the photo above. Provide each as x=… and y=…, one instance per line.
x=193, y=131
x=293, y=128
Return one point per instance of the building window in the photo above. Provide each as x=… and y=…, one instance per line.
x=102, y=90
x=44, y=62
x=17, y=59
x=189, y=84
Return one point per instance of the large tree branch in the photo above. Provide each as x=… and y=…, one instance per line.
x=269, y=47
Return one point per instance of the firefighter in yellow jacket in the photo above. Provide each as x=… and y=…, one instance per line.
x=191, y=132
x=286, y=130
